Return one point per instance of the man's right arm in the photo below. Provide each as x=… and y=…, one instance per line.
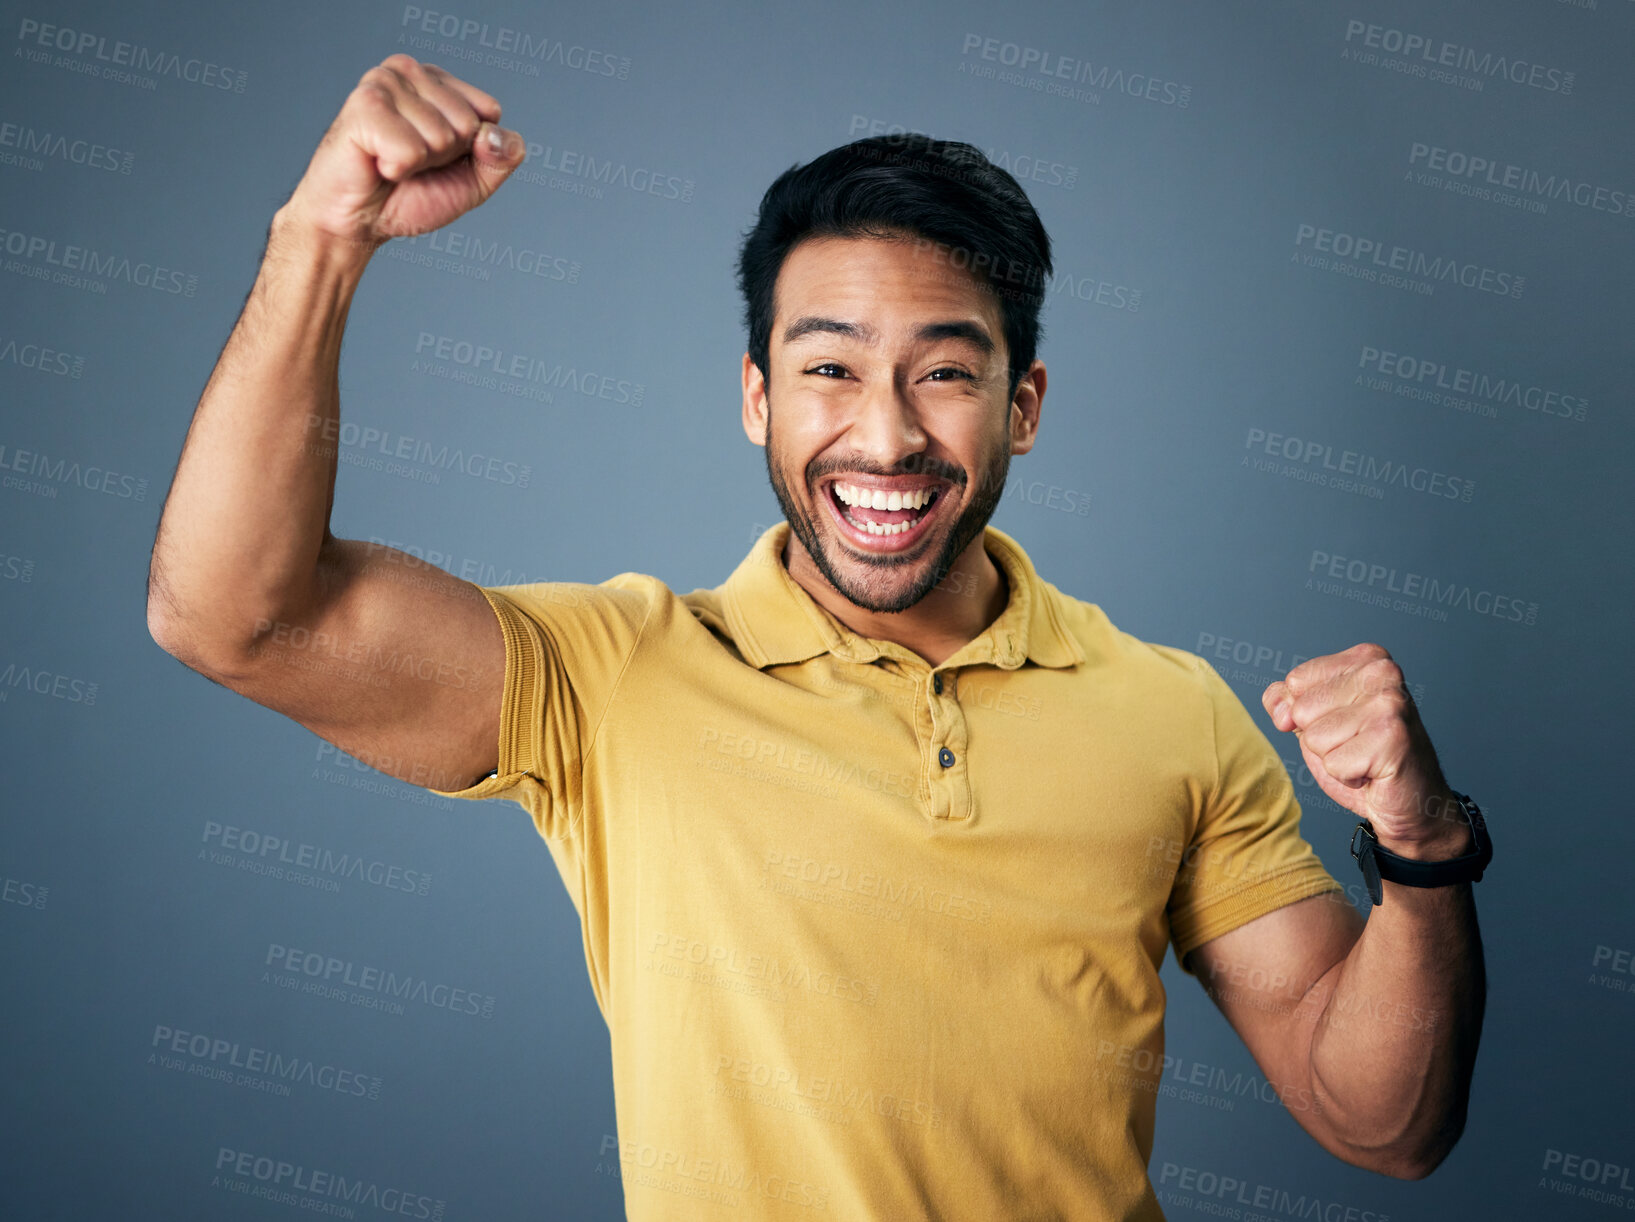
x=393, y=660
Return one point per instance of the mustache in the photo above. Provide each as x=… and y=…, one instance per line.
x=914, y=464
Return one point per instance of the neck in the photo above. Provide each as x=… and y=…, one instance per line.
x=957, y=609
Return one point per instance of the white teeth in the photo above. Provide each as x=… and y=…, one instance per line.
x=875, y=528
x=875, y=498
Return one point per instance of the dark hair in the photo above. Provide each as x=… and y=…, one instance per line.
x=941, y=191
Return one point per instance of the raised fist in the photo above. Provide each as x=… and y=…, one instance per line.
x=412, y=149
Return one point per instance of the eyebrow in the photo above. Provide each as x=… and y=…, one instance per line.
x=958, y=328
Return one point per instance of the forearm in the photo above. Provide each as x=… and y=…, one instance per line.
x=1395, y=1044
x=248, y=509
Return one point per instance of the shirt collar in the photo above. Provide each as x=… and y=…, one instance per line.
x=774, y=621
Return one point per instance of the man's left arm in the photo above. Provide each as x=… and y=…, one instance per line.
x=1368, y=1033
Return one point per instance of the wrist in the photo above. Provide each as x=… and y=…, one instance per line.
x=1441, y=845
x=1436, y=858
x=1445, y=835
x=291, y=233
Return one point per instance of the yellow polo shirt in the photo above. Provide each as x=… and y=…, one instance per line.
x=875, y=940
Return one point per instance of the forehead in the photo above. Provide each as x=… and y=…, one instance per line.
x=889, y=282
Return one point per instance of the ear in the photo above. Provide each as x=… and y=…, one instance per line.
x=754, y=402
x=1024, y=409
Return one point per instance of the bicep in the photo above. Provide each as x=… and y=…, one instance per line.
x=1271, y=978
x=396, y=662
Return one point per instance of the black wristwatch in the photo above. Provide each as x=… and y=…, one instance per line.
x=1377, y=863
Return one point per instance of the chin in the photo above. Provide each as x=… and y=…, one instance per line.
x=886, y=582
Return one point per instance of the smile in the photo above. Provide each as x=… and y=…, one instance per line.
x=882, y=519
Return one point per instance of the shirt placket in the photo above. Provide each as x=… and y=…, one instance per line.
x=946, y=775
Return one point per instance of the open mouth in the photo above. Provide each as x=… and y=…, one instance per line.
x=882, y=518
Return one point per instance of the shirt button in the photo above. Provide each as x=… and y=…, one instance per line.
x=945, y=757
x=936, y=684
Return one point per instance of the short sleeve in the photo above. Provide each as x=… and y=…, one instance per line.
x=566, y=646
x=1247, y=856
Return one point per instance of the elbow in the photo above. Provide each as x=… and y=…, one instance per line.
x=1407, y=1160
x=1415, y=1166
x=171, y=633
x=162, y=628
x=167, y=620
x=189, y=641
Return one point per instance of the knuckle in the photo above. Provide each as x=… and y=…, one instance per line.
x=442, y=136
x=1384, y=675
x=400, y=62
x=407, y=155
x=383, y=79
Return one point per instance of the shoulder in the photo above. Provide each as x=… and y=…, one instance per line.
x=1113, y=651
x=624, y=608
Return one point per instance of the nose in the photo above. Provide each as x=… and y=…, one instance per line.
x=887, y=427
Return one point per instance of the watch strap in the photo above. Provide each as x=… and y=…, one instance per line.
x=1379, y=864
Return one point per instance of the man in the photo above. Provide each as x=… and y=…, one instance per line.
x=879, y=845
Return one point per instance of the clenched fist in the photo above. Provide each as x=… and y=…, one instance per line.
x=1366, y=747
x=412, y=149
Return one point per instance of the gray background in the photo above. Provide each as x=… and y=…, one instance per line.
x=1182, y=320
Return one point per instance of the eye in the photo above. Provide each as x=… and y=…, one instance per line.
x=958, y=373
x=827, y=365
